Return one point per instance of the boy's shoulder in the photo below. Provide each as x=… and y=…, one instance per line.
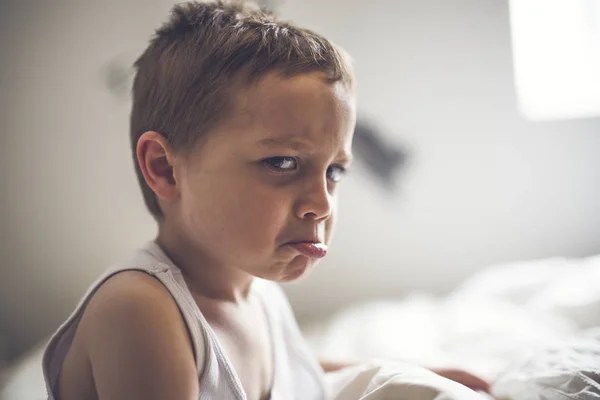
x=132, y=321
x=132, y=305
x=128, y=294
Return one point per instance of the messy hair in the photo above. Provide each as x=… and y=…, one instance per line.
x=185, y=78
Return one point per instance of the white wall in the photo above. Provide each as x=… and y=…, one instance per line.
x=484, y=185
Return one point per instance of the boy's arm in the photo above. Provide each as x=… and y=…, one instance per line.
x=137, y=342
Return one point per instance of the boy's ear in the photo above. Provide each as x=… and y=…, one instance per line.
x=155, y=160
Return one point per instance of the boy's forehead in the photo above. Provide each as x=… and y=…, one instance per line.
x=299, y=113
x=292, y=100
x=275, y=90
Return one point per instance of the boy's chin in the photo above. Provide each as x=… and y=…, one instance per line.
x=297, y=268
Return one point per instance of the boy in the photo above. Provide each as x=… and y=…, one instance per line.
x=241, y=129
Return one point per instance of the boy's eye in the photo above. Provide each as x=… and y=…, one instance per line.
x=281, y=163
x=335, y=173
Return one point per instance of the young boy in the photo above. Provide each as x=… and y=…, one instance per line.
x=241, y=129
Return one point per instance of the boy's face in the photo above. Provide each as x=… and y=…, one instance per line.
x=263, y=186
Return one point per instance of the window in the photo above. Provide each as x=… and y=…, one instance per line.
x=556, y=57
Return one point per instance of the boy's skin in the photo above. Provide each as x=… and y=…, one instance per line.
x=256, y=198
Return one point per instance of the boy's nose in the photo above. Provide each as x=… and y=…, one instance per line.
x=314, y=201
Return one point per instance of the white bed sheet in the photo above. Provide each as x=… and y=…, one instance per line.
x=497, y=321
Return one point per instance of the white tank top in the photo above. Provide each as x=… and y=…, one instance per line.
x=297, y=374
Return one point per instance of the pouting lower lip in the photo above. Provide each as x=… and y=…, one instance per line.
x=310, y=249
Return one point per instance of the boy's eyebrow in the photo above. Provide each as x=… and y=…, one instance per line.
x=289, y=143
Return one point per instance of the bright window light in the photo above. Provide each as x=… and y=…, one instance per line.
x=556, y=56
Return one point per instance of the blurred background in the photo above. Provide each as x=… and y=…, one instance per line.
x=501, y=146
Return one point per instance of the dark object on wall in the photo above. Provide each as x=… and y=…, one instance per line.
x=383, y=160
x=118, y=77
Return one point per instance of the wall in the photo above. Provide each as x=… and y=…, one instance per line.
x=484, y=185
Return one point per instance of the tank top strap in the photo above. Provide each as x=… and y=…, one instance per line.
x=216, y=376
x=170, y=276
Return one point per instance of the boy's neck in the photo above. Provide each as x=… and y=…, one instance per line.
x=203, y=276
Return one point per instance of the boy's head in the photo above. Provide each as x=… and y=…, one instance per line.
x=241, y=125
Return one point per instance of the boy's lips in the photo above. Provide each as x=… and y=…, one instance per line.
x=310, y=249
